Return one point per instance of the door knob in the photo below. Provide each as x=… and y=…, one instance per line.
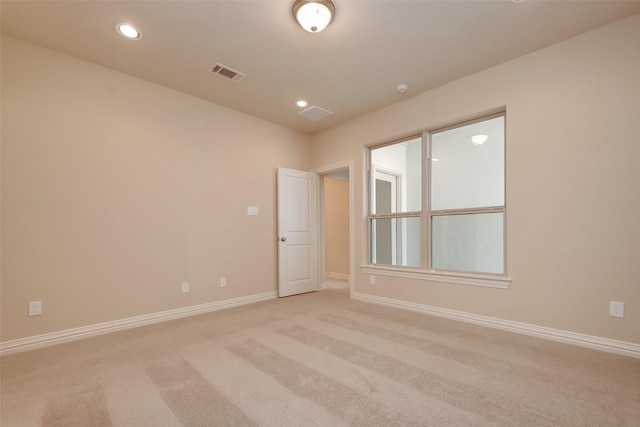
x=283, y=239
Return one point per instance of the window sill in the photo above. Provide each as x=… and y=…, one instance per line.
x=489, y=281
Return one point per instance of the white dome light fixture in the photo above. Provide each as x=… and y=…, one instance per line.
x=479, y=139
x=128, y=31
x=313, y=15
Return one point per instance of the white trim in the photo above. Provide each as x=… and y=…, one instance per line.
x=45, y=340
x=329, y=277
x=604, y=344
x=439, y=276
x=336, y=276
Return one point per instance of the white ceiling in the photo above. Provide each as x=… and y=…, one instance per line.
x=351, y=68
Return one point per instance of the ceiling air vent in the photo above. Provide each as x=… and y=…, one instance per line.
x=315, y=113
x=227, y=73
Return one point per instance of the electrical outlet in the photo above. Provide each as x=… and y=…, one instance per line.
x=223, y=282
x=372, y=279
x=185, y=287
x=35, y=308
x=616, y=309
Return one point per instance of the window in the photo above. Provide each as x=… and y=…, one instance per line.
x=396, y=203
x=454, y=222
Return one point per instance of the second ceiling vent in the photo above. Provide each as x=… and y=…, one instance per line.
x=227, y=73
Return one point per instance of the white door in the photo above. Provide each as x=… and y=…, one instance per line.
x=297, y=232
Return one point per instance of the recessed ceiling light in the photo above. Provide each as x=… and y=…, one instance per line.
x=301, y=103
x=479, y=139
x=128, y=31
x=402, y=88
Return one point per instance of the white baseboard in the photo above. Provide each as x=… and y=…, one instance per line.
x=336, y=276
x=45, y=340
x=597, y=343
x=328, y=276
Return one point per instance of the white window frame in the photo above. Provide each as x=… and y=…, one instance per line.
x=426, y=215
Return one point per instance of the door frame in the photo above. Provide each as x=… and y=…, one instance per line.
x=321, y=172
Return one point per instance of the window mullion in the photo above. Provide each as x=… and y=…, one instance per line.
x=425, y=222
x=465, y=211
x=396, y=215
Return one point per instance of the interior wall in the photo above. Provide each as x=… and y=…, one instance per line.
x=115, y=191
x=573, y=239
x=336, y=226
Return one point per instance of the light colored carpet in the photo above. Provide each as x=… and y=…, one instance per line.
x=318, y=359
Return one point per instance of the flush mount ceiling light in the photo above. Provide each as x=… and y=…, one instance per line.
x=128, y=31
x=313, y=15
x=479, y=139
x=301, y=103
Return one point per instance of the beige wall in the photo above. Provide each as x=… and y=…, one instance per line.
x=336, y=226
x=116, y=190
x=573, y=203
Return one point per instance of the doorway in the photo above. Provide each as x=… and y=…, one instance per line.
x=336, y=229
